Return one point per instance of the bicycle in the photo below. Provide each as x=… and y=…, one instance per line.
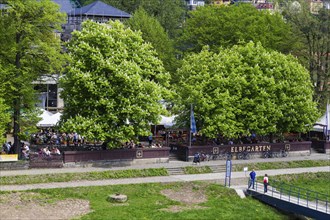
x=268, y=154
x=244, y=155
x=213, y=156
x=283, y=153
x=225, y=156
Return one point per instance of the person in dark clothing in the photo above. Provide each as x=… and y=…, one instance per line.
x=150, y=139
x=197, y=158
x=252, y=179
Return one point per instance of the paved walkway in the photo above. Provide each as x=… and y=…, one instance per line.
x=239, y=179
x=171, y=164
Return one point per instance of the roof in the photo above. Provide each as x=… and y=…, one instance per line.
x=265, y=5
x=65, y=5
x=99, y=8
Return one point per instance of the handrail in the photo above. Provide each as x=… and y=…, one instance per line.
x=297, y=195
x=293, y=190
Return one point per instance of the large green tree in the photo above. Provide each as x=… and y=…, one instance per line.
x=246, y=89
x=315, y=31
x=29, y=49
x=153, y=32
x=113, y=88
x=4, y=120
x=226, y=26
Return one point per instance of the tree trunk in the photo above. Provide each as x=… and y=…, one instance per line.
x=17, y=101
x=271, y=136
x=16, y=117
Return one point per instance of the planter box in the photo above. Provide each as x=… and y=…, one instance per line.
x=116, y=154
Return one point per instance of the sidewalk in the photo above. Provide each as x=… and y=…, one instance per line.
x=171, y=164
x=238, y=178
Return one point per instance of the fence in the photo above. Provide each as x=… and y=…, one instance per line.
x=296, y=195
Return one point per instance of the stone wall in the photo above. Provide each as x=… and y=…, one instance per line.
x=255, y=150
x=14, y=165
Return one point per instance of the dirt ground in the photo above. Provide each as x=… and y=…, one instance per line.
x=189, y=196
x=34, y=206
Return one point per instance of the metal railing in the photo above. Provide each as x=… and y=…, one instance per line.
x=297, y=195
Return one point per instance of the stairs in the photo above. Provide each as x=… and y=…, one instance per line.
x=175, y=171
x=218, y=168
x=173, y=157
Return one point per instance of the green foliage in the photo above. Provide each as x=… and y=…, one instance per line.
x=66, y=177
x=312, y=185
x=4, y=120
x=281, y=165
x=29, y=119
x=29, y=49
x=318, y=182
x=226, y=26
x=314, y=29
x=244, y=89
x=154, y=33
x=114, y=84
x=29, y=46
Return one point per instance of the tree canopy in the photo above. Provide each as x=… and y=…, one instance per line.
x=246, y=89
x=29, y=49
x=226, y=26
x=114, y=85
x=4, y=119
x=315, y=32
x=154, y=33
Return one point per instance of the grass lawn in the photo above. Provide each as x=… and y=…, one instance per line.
x=145, y=201
x=66, y=177
x=148, y=201
x=316, y=185
x=281, y=165
x=319, y=182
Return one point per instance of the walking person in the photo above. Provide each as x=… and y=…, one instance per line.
x=252, y=179
x=150, y=140
x=265, y=183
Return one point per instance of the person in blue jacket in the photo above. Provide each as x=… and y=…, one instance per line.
x=252, y=179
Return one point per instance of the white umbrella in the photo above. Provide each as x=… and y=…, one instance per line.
x=323, y=123
x=50, y=121
x=45, y=114
x=167, y=121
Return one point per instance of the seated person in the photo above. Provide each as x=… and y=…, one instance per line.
x=196, y=158
x=46, y=151
x=56, y=151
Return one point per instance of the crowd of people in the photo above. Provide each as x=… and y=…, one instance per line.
x=52, y=137
x=48, y=151
x=131, y=144
x=7, y=148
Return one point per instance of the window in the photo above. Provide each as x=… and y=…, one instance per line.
x=47, y=96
